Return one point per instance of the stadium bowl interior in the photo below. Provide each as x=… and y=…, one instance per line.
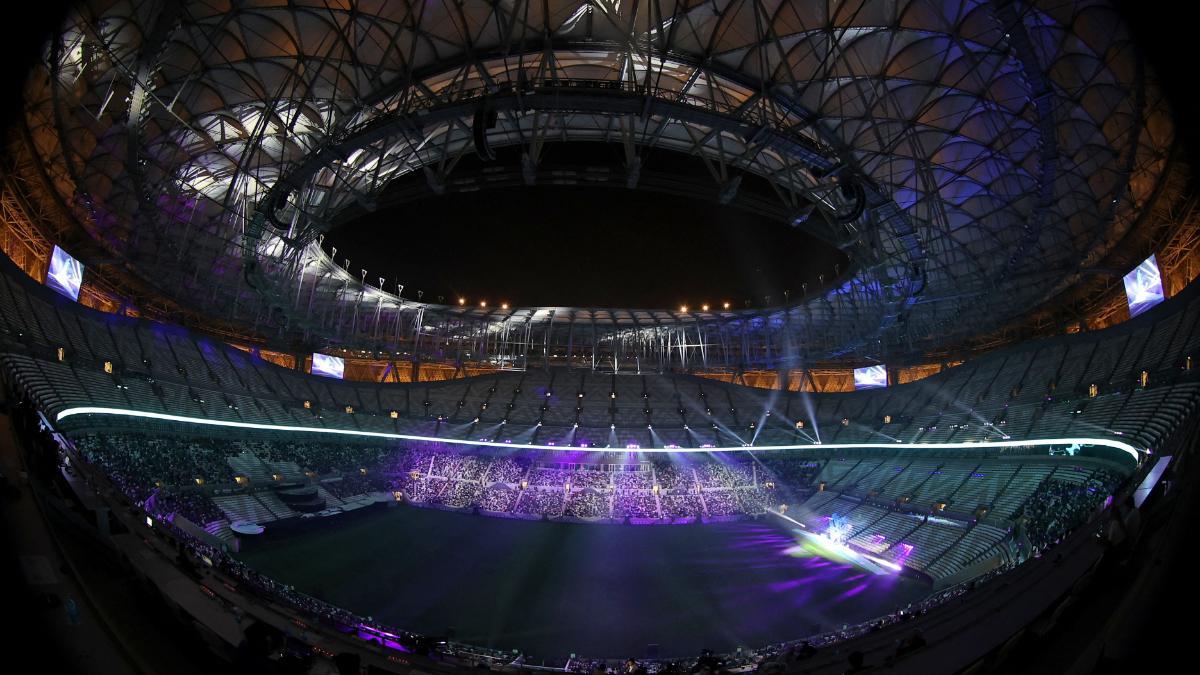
x=593, y=336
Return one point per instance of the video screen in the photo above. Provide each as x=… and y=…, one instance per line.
x=870, y=377
x=1143, y=286
x=65, y=274
x=329, y=366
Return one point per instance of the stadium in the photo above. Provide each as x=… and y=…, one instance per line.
x=589, y=336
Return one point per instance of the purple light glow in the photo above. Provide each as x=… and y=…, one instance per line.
x=854, y=591
x=384, y=638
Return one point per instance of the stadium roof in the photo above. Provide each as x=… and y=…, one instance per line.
x=973, y=159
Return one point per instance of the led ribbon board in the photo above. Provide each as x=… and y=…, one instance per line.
x=65, y=274
x=328, y=366
x=1143, y=286
x=1133, y=451
x=870, y=377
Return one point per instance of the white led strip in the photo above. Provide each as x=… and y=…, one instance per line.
x=1133, y=451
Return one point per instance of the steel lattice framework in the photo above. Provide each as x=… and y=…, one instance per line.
x=973, y=159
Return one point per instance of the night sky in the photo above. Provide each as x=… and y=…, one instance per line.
x=584, y=246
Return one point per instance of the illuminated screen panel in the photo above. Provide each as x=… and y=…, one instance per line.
x=329, y=366
x=1143, y=286
x=65, y=274
x=870, y=377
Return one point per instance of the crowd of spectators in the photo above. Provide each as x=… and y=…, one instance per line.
x=723, y=502
x=545, y=477
x=497, y=498
x=505, y=470
x=540, y=502
x=680, y=506
x=141, y=464
x=586, y=504
x=1059, y=506
x=635, y=504
x=673, y=478
x=462, y=494
x=437, y=476
x=518, y=483
x=321, y=457
x=726, y=475
x=632, y=480
x=190, y=503
x=456, y=466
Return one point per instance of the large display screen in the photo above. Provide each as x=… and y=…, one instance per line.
x=1143, y=286
x=870, y=377
x=65, y=274
x=329, y=366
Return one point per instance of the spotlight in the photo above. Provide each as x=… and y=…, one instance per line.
x=704, y=308
x=725, y=305
x=483, y=303
x=504, y=305
x=462, y=301
x=683, y=308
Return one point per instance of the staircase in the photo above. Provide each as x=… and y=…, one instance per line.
x=220, y=530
